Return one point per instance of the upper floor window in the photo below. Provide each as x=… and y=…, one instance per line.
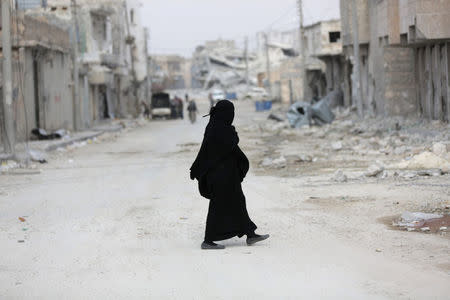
x=335, y=36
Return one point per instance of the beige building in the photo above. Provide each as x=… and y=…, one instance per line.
x=404, y=56
x=171, y=72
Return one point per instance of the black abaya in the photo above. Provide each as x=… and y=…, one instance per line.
x=220, y=168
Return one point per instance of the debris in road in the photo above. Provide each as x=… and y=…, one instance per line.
x=304, y=158
x=274, y=117
x=374, y=169
x=299, y=114
x=321, y=112
x=37, y=156
x=431, y=172
x=21, y=219
x=336, y=146
x=339, y=176
x=424, y=222
x=21, y=241
x=42, y=134
x=425, y=160
x=378, y=250
x=278, y=163
x=183, y=218
x=439, y=149
x=8, y=165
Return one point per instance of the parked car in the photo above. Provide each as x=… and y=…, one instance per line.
x=161, y=106
x=257, y=94
x=217, y=95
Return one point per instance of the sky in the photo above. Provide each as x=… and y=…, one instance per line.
x=178, y=26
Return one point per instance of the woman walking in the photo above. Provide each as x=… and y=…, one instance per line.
x=220, y=168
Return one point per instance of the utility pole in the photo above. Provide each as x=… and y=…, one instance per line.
x=8, y=112
x=246, y=62
x=147, y=67
x=301, y=45
x=76, y=85
x=357, y=70
x=268, y=64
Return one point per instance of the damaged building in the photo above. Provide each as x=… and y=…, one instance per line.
x=41, y=64
x=404, y=57
x=170, y=72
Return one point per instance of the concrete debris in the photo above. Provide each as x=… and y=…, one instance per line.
x=336, y=146
x=439, y=149
x=277, y=163
x=274, y=117
x=430, y=172
x=321, y=112
x=339, y=176
x=425, y=160
x=374, y=169
x=299, y=115
x=304, y=158
x=37, y=156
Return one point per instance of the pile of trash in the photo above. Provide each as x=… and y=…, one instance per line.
x=305, y=114
x=424, y=222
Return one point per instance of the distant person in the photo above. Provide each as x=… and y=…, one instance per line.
x=220, y=168
x=186, y=98
x=192, y=109
x=179, y=107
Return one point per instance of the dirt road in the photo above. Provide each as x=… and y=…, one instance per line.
x=121, y=219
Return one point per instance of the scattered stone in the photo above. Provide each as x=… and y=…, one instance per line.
x=400, y=150
x=21, y=241
x=279, y=163
x=431, y=172
x=305, y=158
x=374, y=169
x=384, y=175
x=425, y=229
x=408, y=174
x=425, y=160
x=410, y=229
x=336, y=146
x=439, y=149
x=378, y=250
x=339, y=176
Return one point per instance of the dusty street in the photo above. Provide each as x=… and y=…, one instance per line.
x=121, y=219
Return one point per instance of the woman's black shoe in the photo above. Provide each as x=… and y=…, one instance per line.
x=256, y=238
x=212, y=246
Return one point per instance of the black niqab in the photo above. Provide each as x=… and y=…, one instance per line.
x=220, y=167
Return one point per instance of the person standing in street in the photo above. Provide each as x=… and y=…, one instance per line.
x=220, y=168
x=192, y=109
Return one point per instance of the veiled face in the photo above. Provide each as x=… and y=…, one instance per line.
x=224, y=112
